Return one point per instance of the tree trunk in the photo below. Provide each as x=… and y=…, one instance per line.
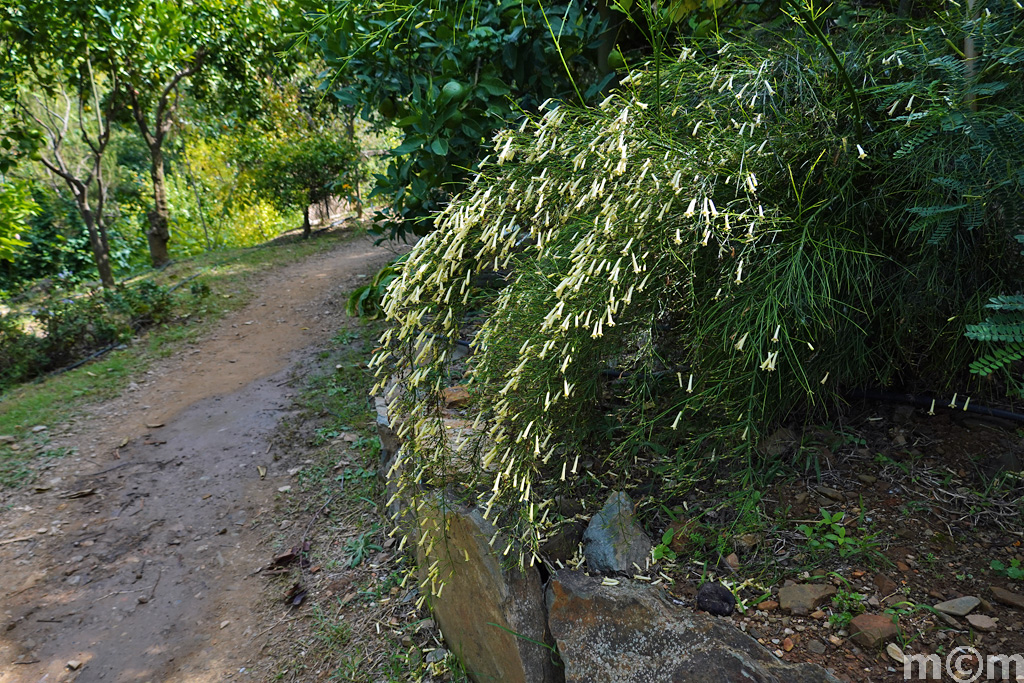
x=306, y=228
x=159, y=234
x=100, y=246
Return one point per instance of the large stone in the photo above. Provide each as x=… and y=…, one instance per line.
x=1008, y=597
x=885, y=585
x=872, y=630
x=628, y=633
x=613, y=541
x=982, y=622
x=482, y=603
x=960, y=607
x=802, y=598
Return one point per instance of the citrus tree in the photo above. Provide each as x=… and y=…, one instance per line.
x=447, y=75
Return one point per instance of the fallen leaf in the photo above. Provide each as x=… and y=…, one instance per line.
x=296, y=594
x=284, y=558
x=84, y=493
x=155, y=425
x=224, y=623
x=349, y=597
x=124, y=442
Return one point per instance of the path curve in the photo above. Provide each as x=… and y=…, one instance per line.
x=147, y=574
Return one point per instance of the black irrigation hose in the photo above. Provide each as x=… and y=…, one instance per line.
x=66, y=368
x=925, y=402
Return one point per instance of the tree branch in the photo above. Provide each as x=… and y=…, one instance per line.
x=163, y=125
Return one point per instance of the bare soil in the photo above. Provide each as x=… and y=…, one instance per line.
x=136, y=559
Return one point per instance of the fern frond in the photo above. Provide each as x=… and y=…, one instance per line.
x=998, y=359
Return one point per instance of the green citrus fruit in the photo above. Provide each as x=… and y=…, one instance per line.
x=615, y=60
x=454, y=121
x=453, y=90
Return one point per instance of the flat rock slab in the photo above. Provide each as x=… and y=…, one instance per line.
x=484, y=603
x=960, y=607
x=1008, y=597
x=629, y=634
x=613, y=541
x=872, y=630
x=982, y=622
x=803, y=598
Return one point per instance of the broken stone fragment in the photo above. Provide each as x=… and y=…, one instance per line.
x=1008, y=597
x=491, y=614
x=872, y=630
x=801, y=599
x=613, y=541
x=716, y=599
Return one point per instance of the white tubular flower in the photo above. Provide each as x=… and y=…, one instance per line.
x=775, y=337
x=861, y=154
x=689, y=386
x=769, y=363
x=690, y=210
x=741, y=342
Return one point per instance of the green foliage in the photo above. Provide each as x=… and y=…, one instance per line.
x=1014, y=571
x=63, y=330
x=663, y=551
x=365, y=301
x=16, y=207
x=296, y=172
x=830, y=535
x=846, y=604
x=359, y=548
x=735, y=254
x=447, y=75
x=1006, y=326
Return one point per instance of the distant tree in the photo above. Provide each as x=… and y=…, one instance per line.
x=158, y=47
x=303, y=171
x=64, y=105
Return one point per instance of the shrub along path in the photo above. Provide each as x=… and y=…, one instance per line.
x=134, y=559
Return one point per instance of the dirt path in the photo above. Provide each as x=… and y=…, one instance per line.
x=137, y=562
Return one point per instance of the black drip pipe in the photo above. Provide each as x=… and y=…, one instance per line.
x=926, y=402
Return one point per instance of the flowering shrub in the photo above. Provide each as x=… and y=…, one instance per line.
x=682, y=277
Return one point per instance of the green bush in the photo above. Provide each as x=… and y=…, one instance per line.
x=683, y=277
x=63, y=330
x=20, y=353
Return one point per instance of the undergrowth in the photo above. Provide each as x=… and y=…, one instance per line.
x=790, y=222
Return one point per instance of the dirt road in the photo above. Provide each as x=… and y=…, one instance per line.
x=135, y=559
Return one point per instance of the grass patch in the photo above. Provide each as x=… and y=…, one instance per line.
x=358, y=582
